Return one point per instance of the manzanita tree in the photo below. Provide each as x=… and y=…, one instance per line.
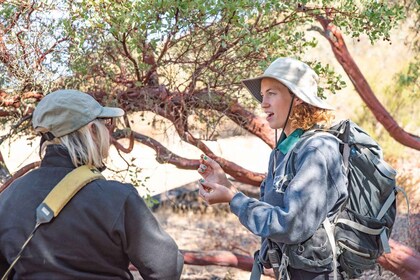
x=181, y=60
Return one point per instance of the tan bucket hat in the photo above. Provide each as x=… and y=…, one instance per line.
x=296, y=76
x=64, y=111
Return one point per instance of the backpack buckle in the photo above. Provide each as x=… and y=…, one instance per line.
x=281, y=182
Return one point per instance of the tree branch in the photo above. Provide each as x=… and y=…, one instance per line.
x=220, y=258
x=343, y=56
x=163, y=155
x=42, y=57
x=130, y=57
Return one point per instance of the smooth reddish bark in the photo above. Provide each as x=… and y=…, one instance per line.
x=343, y=56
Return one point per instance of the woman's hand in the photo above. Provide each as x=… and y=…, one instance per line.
x=212, y=172
x=215, y=193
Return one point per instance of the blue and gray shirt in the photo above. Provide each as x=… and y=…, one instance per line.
x=294, y=201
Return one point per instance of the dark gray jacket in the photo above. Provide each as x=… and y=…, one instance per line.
x=103, y=228
x=291, y=209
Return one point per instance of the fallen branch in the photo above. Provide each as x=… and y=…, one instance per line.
x=220, y=258
x=403, y=260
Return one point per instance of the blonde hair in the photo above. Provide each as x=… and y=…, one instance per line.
x=305, y=116
x=89, y=145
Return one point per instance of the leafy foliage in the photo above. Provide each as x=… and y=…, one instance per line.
x=183, y=60
x=188, y=46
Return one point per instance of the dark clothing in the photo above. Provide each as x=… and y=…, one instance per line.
x=104, y=227
x=299, y=274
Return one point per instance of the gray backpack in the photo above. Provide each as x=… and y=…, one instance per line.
x=359, y=233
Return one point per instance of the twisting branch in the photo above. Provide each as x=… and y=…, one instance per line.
x=163, y=155
x=42, y=57
x=343, y=56
x=130, y=57
x=239, y=173
x=121, y=148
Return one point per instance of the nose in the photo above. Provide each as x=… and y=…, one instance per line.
x=264, y=103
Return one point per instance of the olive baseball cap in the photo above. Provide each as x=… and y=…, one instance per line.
x=297, y=76
x=64, y=111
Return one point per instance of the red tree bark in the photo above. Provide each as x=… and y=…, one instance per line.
x=221, y=258
x=403, y=261
x=339, y=48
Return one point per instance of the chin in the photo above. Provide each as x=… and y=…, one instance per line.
x=274, y=126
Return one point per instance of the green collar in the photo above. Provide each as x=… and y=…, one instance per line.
x=287, y=142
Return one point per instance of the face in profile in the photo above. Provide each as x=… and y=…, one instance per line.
x=276, y=102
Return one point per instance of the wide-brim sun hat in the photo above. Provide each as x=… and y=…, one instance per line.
x=65, y=111
x=297, y=76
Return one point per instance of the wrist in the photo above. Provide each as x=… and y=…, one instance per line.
x=233, y=191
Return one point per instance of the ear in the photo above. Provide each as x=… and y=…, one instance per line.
x=92, y=127
x=297, y=101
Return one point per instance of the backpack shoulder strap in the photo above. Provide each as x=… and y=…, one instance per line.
x=57, y=198
x=64, y=191
x=305, y=139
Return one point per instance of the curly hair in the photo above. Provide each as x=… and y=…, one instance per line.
x=305, y=116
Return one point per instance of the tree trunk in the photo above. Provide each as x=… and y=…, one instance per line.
x=339, y=48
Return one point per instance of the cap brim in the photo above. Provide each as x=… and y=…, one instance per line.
x=254, y=87
x=111, y=112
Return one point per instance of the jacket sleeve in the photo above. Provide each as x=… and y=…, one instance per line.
x=149, y=248
x=303, y=206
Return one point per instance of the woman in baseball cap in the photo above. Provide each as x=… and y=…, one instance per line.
x=305, y=182
x=103, y=228
x=68, y=118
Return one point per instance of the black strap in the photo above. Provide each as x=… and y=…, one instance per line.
x=274, y=258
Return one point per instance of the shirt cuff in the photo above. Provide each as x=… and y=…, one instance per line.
x=237, y=201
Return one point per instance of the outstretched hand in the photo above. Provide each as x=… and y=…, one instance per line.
x=215, y=193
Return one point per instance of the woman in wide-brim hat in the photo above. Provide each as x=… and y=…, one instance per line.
x=295, y=197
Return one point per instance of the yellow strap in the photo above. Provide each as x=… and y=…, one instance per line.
x=58, y=198
x=69, y=186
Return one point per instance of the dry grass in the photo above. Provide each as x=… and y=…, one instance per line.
x=195, y=226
